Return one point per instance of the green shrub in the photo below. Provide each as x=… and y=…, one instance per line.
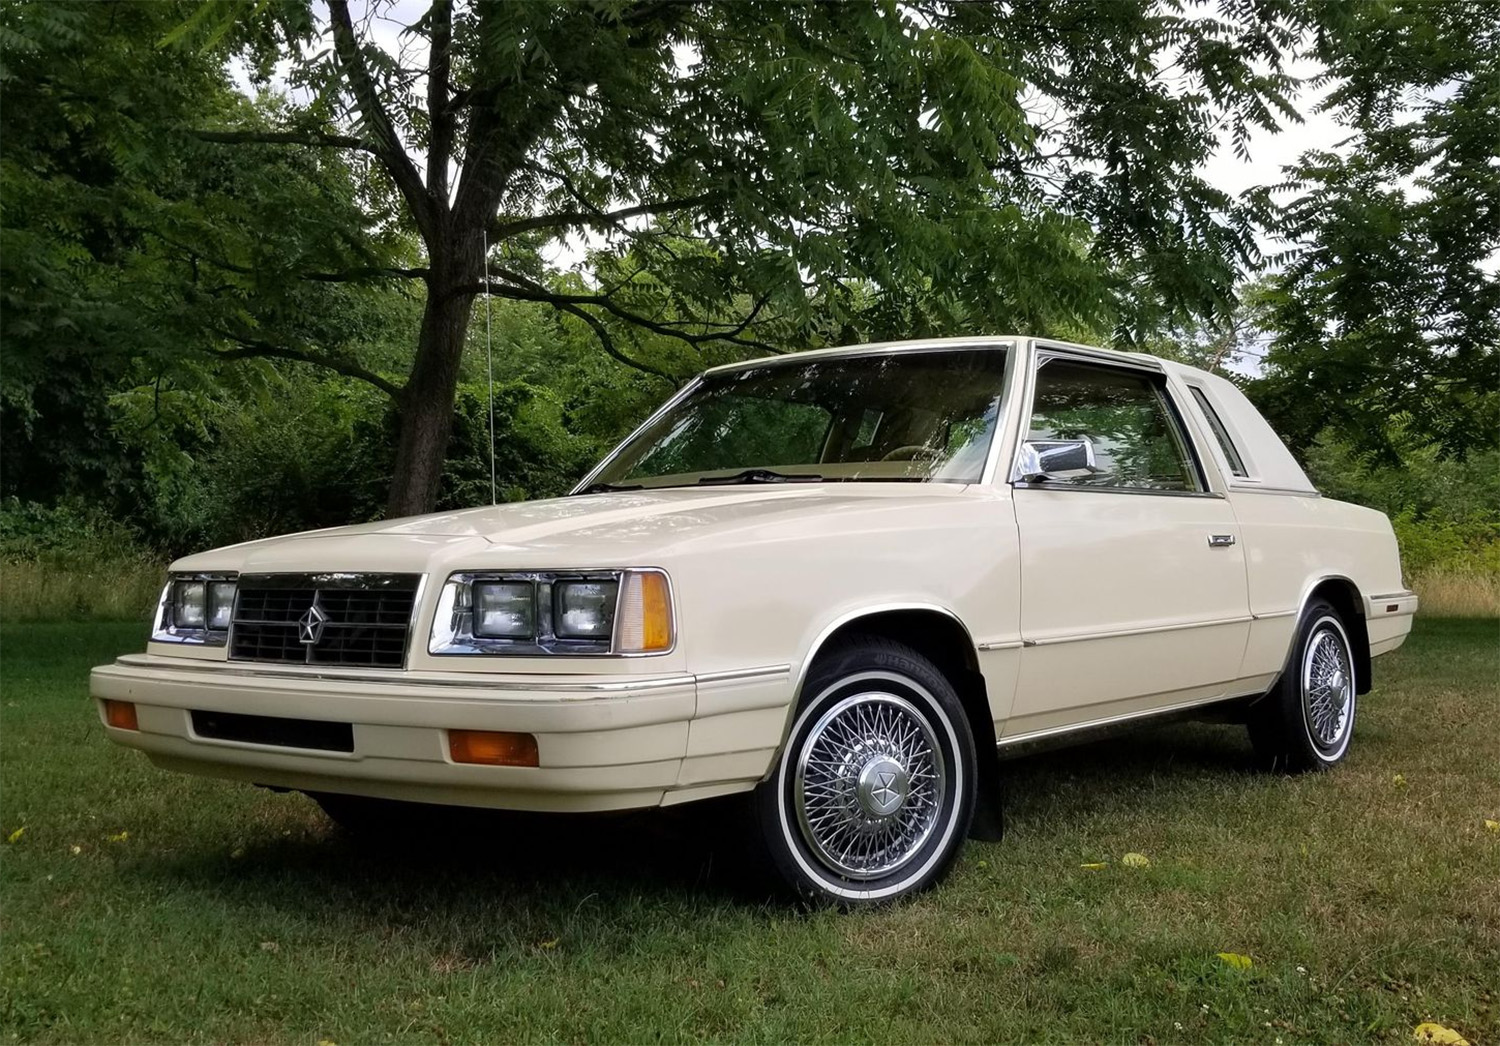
x=1428, y=544
x=72, y=562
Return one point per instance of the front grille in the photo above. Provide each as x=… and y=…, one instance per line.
x=323, y=619
x=272, y=730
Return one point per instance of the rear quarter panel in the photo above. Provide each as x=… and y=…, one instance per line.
x=1292, y=544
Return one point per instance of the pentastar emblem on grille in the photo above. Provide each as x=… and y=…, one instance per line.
x=310, y=625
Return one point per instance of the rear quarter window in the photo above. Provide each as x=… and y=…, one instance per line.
x=1216, y=425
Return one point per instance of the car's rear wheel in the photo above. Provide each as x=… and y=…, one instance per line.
x=1307, y=720
x=873, y=794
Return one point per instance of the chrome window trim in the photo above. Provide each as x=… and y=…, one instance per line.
x=208, y=637
x=1046, y=351
x=1092, y=354
x=1023, y=485
x=1236, y=488
x=886, y=348
x=1003, y=412
x=1216, y=422
x=451, y=645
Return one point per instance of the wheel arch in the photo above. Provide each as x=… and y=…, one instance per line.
x=939, y=635
x=1345, y=597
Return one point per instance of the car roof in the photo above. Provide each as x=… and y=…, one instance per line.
x=988, y=341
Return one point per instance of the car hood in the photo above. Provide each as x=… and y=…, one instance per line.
x=598, y=530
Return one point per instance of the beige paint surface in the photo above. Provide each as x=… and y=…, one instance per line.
x=1082, y=607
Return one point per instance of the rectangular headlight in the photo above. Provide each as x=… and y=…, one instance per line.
x=220, y=604
x=531, y=613
x=584, y=609
x=195, y=608
x=190, y=604
x=504, y=609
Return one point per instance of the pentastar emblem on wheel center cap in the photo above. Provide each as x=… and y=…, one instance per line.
x=883, y=785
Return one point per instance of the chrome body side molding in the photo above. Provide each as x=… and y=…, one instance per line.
x=1124, y=719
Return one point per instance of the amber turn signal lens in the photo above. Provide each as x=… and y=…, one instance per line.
x=492, y=747
x=120, y=715
x=658, y=612
x=644, y=622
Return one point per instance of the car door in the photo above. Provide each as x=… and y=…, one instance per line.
x=1133, y=588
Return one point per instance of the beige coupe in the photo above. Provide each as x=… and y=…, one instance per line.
x=842, y=582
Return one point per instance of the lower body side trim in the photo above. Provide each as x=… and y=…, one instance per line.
x=1118, y=720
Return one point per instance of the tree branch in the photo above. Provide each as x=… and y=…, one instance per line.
x=351, y=275
x=608, y=344
x=254, y=348
x=347, y=276
x=314, y=139
x=389, y=147
x=522, y=289
x=596, y=218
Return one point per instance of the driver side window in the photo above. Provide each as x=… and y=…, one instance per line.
x=1137, y=439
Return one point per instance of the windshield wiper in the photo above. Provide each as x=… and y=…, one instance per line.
x=759, y=476
x=605, y=488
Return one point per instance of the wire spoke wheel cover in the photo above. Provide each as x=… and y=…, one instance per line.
x=1327, y=686
x=870, y=782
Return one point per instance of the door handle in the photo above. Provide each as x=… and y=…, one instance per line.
x=1220, y=540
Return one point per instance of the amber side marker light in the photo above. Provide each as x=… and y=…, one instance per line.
x=120, y=715
x=645, y=616
x=492, y=748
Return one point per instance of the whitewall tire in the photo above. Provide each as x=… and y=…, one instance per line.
x=872, y=796
x=1306, y=721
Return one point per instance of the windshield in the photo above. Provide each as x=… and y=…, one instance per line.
x=909, y=416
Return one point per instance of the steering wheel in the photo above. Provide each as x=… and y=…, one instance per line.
x=912, y=452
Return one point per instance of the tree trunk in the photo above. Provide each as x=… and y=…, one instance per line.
x=426, y=409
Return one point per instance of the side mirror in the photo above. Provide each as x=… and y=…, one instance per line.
x=1043, y=459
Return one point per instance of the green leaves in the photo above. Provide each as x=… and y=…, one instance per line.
x=1389, y=304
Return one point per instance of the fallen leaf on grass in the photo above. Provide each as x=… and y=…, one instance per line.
x=269, y=946
x=327, y=1042
x=549, y=944
x=77, y=850
x=1493, y=826
x=1094, y=866
x=1436, y=1033
x=1399, y=780
x=16, y=835
x=119, y=837
x=1236, y=960
x=1133, y=860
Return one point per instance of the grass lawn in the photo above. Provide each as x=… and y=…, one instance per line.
x=140, y=905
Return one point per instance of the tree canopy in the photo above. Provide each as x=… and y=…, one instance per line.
x=225, y=220
x=1388, y=304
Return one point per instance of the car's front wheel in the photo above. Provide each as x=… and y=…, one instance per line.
x=872, y=797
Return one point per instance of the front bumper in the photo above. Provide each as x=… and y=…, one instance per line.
x=604, y=742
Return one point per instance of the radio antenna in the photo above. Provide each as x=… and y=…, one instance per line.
x=489, y=364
